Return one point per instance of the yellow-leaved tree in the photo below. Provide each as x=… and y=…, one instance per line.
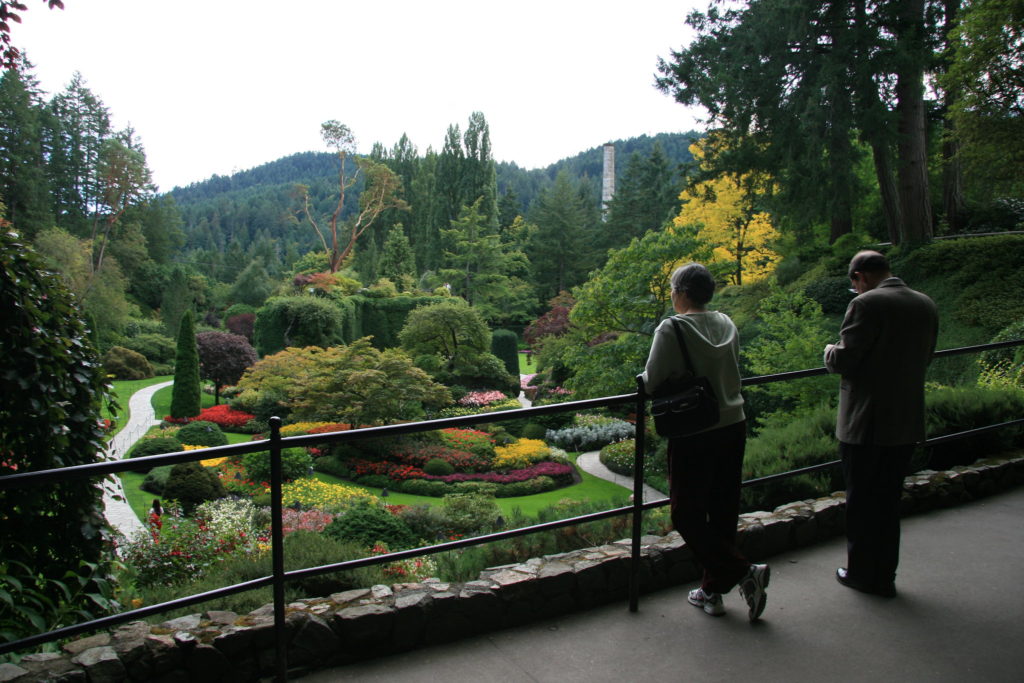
x=727, y=212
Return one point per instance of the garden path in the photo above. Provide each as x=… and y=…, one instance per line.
x=591, y=464
x=140, y=418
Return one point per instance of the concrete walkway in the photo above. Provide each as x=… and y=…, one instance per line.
x=140, y=419
x=957, y=618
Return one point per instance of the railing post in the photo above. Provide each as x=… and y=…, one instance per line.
x=638, y=494
x=277, y=551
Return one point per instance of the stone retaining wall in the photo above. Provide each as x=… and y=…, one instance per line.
x=223, y=646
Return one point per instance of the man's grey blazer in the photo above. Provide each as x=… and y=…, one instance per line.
x=886, y=343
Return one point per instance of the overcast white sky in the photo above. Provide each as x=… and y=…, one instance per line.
x=214, y=86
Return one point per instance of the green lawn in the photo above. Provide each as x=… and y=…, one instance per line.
x=527, y=365
x=123, y=390
x=162, y=402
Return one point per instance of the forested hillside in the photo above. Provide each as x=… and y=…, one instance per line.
x=260, y=203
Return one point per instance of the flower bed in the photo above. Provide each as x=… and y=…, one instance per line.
x=223, y=415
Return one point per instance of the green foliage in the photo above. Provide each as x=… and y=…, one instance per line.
x=52, y=392
x=367, y=525
x=185, y=391
x=31, y=603
x=505, y=346
x=451, y=341
x=619, y=457
x=356, y=384
x=831, y=293
x=1006, y=361
x=154, y=446
x=295, y=464
x=793, y=335
x=952, y=410
x=301, y=549
x=201, y=433
x=157, y=348
x=296, y=321
x=156, y=480
x=788, y=443
x=191, y=484
x=469, y=514
x=980, y=275
x=122, y=363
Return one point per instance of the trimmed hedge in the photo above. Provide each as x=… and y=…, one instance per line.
x=505, y=345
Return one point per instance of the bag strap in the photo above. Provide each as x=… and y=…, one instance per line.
x=682, y=346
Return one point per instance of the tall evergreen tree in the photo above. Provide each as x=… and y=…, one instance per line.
x=23, y=183
x=398, y=261
x=560, y=252
x=82, y=123
x=480, y=176
x=185, y=393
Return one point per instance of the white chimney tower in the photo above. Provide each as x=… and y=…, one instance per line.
x=607, y=179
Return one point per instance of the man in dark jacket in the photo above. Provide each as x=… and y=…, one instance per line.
x=886, y=343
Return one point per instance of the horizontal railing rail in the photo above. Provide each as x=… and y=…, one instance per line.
x=275, y=444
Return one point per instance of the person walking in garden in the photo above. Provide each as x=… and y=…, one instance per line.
x=885, y=345
x=155, y=523
x=705, y=468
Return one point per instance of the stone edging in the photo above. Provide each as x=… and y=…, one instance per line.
x=358, y=624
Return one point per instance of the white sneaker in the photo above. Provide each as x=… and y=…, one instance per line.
x=710, y=602
x=752, y=588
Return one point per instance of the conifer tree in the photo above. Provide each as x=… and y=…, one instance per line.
x=185, y=393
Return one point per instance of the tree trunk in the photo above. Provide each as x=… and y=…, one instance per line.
x=952, y=174
x=886, y=188
x=912, y=148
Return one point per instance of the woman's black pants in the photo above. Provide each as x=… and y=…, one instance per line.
x=705, y=472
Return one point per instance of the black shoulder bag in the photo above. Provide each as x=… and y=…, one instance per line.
x=684, y=406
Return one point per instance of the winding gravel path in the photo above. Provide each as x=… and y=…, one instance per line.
x=140, y=419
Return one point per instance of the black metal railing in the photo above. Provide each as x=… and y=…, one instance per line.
x=275, y=444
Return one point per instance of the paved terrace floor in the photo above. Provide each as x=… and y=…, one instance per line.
x=959, y=616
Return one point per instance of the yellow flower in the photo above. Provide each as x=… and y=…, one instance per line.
x=520, y=454
x=187, y=447
x=212, y=462
x=312, y=492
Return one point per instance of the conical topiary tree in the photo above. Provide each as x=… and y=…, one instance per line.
x=185, y=393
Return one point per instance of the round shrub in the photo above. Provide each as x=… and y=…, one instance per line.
x=202, y=433
x=368, y=525
x=154, y=446
x=532, y=430
x=619, y=457
x=124, y=363
x=156, y=481
x=438, y=467
x=832, y=293
x=191, y=484
x=295, y=463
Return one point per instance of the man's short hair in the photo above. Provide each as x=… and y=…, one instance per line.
x=696, y=281
x=868, y=262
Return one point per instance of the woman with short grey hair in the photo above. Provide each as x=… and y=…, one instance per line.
x=705, y=468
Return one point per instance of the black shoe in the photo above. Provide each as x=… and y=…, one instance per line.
x=886, y=590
